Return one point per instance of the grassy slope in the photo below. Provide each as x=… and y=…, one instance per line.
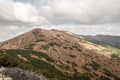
x=49, y=70
x=115, y=51
x=40, y=66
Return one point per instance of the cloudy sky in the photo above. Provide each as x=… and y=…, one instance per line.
x=79, y=16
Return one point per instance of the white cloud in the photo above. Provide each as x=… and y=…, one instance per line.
x=62, y=11
x=6, y=10
x=25, y=12
x=78, y=16
x=85, y=11
x=18, y=11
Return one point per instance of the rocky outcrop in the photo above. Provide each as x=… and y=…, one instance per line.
x=18, y=74
x=2, y=76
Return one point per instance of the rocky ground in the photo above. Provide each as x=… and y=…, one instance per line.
x=3, y=77
x=18, y=74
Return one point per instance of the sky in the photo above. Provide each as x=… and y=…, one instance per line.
x=84, y=17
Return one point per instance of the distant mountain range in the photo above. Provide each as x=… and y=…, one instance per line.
x=105, y=39
x=61, y=55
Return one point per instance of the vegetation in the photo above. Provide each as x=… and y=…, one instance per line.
x=104, y=78
x=26, y=53
x=73, y=56
x=68, y=62
x=70, y=48
x=31, y=46
x=84, y=67
x=115, y=56
x=107, y=72
x=46, y=47
x=115, y=51
x=65, y=47
x=94, y=65
x=9, y=59
x=77, y=47
x=41, y=35
x=78, y=76
x=40, y=40
x=54, y=44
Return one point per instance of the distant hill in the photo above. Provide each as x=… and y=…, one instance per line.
x=61, y=55
x=105, y=39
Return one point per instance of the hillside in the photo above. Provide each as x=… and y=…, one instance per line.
x=105, y=39
x=61, y=55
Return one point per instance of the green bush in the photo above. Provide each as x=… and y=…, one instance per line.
x=70, y=48
x=94, y=65
x=73, y=56
x=80, y=77
x=8, y=61
x=65, y=47
x=107, y=72
x=26, y=53
x=54, y=44
x=68, y=62
x=104, y=78
x=84, y=67
x=77, y=47
x=115, y=56
x=40, y=40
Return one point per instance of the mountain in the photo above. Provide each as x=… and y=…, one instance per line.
x=105, y=39
x=62, y=55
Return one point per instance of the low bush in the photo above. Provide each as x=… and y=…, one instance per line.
x=73, y=56
x=95, y=65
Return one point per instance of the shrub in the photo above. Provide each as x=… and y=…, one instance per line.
x=77, y=48
x=73, y=56
x=65, y=47
x=94, y=65
x=54, y=49
x=104, y=78
x=53, y=44
x=68, y=62
x=80, y=77
x=40, y=40
x=41, y=35
x=70, y=48
x=84, y=67
x=8, y=61
x=45, y=47
x=107, y=72
x=115, y=56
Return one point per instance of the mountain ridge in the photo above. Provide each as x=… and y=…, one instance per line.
x=71, y=54
x=110, y=40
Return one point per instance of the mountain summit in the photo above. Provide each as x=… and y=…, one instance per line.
x=32, y=36
x=74, y=56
